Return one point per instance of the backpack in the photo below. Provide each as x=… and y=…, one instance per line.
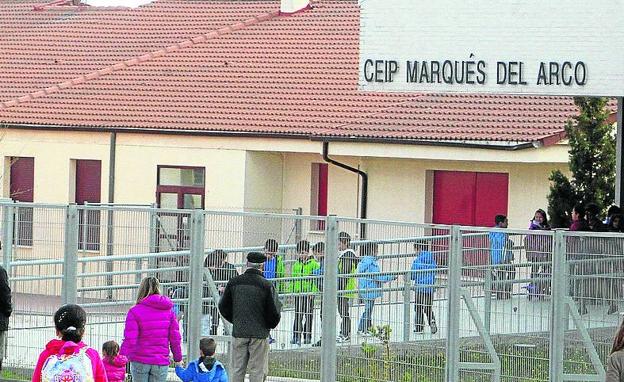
x=74, y=367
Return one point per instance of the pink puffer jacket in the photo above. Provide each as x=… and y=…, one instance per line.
x=115, y=368
x=151, y=330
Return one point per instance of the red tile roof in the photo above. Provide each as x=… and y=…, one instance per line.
x=231, y=66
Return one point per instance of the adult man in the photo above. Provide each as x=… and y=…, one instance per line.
x=250, y=303
x=5, y=310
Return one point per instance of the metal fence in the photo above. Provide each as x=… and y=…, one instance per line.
x=407, y=302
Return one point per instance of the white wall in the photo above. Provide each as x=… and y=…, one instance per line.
x=492, y=31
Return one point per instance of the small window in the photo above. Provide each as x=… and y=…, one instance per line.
x=180, y=176
x=22, y=176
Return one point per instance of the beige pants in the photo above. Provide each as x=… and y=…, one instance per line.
x=249, y=355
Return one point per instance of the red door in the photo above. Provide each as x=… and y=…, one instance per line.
x=472, y=199
x=469, y=198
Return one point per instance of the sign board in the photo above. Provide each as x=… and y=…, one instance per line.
x=539, y=47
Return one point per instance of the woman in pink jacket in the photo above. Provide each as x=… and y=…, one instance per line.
x=151, y=330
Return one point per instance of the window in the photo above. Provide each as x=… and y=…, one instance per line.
x=318, y=193
x=21, y=189
x=88, y=190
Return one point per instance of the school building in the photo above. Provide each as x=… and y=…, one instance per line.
x=230, y=104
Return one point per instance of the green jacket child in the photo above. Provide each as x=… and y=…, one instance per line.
x=304, y=268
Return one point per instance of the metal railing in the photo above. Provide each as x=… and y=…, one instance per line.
x=498, y=305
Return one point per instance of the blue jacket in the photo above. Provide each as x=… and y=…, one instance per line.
x=194, y=374
x=368, y=264
x=499, y=252
x=423, y=272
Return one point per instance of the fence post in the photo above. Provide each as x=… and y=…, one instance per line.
x=487, y=294
x=153, y=244
x=8, y=223
x=298, y=229
x=330, y=295
x=196, y=277
x=454, y=301
x=557, y=308
x=69, y=294
x=407, y=305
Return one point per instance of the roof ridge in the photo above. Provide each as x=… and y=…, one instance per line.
x=187, y=43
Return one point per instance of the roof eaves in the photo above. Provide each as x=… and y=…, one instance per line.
x=185, y=44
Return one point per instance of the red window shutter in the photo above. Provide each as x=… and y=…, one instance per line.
x=22, y=179
x=322, y=189
x=88, y=181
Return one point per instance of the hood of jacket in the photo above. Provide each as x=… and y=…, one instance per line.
x=209, y=374
x=426, y=258
x=57, y=346
x=157, y=301
x=367, y=261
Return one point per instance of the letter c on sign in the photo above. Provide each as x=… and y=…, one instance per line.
x=368, y=63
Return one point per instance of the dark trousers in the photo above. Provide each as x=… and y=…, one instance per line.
x=424, y=301
x=214, y=313
x=345, y=314
x=500, y=281
x=304, y=316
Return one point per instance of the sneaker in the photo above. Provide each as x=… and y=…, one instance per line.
x=434, y=327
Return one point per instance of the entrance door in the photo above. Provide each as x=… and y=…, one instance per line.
x=178, y=188
x=471, y=199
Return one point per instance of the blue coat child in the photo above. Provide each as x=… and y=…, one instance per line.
x=206, y=368
x=369, y=285
x=424, y=278
x=196, y=373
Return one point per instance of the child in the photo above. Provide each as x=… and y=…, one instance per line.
x=318, y=251
x=68, y=358
x=273, y=268
x=424, y=278
x=347, y=266
x=206, y=368
x=114, y=364
x=369, y=284
x=221, y=272
x=304, y=304
x=501, y=252
x=615, y=361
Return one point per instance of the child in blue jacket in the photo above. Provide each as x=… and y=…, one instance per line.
x=368, y=285
x=206, y=368
x=424, y=278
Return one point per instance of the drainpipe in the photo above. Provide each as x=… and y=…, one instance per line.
x=109, y=213
x=363, y=175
